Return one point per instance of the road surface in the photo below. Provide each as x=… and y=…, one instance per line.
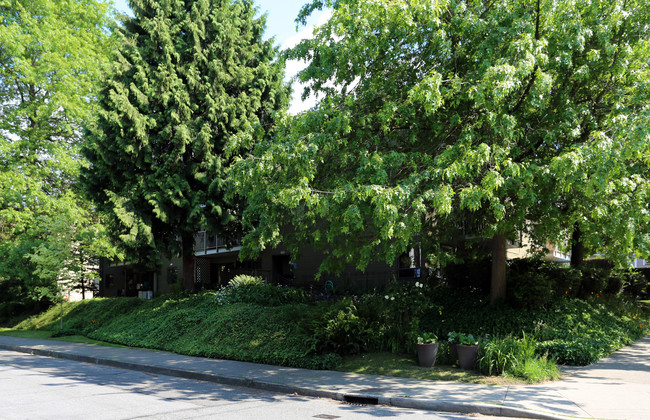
x=34, y=387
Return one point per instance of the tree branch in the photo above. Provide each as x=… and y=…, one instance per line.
x=534, y=76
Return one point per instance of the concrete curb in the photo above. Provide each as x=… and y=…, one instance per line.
x=402, y=402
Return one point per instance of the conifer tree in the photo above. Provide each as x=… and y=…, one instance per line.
x=193, y=80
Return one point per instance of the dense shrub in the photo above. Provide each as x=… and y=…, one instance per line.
x=578, y=352
x=472, y=274
x=10, y=310
x=394, y=315
x=459, y=310
x=631, y=282
x=580, y=331
x=634, y=283
x=533, y=283
x=567, y=279
x=577, y=332
x=531, y=290
x=260, y=294
x=645, y=272
x=614, y=283
x=600, y=263
x=340, y=330
x=595, y=280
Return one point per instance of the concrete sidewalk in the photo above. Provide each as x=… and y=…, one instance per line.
x=617, y=387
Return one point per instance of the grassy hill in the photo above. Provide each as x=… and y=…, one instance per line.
x=276, y=325
x=194, y=325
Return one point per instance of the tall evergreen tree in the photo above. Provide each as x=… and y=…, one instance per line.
x=193, y=81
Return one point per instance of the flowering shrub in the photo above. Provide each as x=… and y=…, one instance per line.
x=395, y=315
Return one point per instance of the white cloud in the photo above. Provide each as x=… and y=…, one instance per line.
x=297, y=105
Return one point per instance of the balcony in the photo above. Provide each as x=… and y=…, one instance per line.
x=205, y=244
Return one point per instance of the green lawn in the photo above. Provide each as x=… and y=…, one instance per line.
x=43, y=334
x=406, y=366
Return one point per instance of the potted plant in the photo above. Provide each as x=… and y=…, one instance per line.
x=427, y=348
x=467, y=349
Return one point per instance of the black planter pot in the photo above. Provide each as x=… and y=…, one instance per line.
x=427, y=354
x=467, y=356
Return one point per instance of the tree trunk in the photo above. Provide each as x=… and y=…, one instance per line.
x=498, y=282
x=187, y=243
x=577, y=247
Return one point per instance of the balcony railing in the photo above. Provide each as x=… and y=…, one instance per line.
x=205, y=243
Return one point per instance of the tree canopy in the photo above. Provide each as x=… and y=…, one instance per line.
x=192, y=83
x=52, y=54
x=444, y=120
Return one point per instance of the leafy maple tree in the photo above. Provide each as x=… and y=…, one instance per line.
x=446, y=120
x=52, y=53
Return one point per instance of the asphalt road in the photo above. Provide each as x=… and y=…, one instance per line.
x=35, y=387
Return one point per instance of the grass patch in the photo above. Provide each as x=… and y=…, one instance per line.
x=38, y=334
x=406, y=366
x=537, y=370
x=47, y=335
x=86, y=340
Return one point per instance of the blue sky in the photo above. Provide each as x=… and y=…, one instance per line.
x=281, y=15
x=280, y=22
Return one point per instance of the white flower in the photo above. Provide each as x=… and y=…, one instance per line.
x=386, y=296
x=392, y=298
x=417, y=284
